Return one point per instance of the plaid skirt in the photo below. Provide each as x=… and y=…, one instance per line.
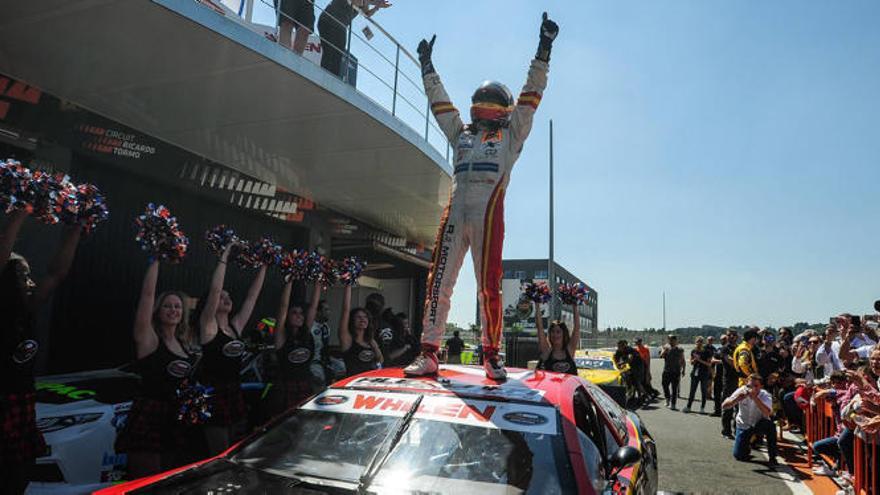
x=151, y=426
x=290, y=393
x=20, y=441
x=227, y=405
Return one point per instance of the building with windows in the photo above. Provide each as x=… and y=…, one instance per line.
x=519, y=315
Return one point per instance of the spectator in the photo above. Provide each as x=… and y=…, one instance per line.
x=630, y=362
x=321, y=338
x=710, y=345
x=731, y=380
x=829, y=446
x=295, y=15
x=755, y=409
x=454, y=346
x=333, y=24
x=20, y=440
x=718, y=376
x=785, y=337
x=744, y=357
x=673, y=370
x=701, y=361
x=828, y=353
x=645, y=353
x=804, y=361
x=855, y=343
x=403, y=346
x=770, y=361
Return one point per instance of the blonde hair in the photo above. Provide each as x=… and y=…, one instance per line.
x=183, y=332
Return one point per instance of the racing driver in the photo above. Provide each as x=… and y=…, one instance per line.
x=485, y=151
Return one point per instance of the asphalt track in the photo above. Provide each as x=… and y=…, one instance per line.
x=695, y=458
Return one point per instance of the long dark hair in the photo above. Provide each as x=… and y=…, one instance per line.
x=300, y=333
x=566, y=337
x=369, y=331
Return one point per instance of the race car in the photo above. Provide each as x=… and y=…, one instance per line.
x=79, y=415
x=598, y=367
x=380, y=432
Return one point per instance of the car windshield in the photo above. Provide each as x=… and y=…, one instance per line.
x=451, y=446
x=593, y=363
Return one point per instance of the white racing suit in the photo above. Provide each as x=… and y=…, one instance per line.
x=475, y=215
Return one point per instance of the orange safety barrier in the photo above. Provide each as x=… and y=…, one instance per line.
x=864, y=475
x=819, y=423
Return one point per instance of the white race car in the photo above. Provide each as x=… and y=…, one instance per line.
x=79, y=414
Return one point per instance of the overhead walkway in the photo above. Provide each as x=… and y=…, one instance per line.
x=204, y=80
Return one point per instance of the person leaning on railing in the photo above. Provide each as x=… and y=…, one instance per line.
x=333, y=27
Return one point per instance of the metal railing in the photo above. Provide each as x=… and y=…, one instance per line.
x=395, y=74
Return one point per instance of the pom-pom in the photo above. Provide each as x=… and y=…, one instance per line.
x=259, y=253
x=15, y=180
x=349, y=270
x=159, y=234
x=193, y=403
x=538, y=292
x=293, y=265
x=316, y=268
x=573, y=293
x=220, y=237
x=51, y=197
x=92, y=208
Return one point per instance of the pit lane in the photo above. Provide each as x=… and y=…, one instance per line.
x=695, y=458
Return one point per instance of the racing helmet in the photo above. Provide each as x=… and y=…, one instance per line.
x=491, y=105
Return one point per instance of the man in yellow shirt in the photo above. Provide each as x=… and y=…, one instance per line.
x=743, y=357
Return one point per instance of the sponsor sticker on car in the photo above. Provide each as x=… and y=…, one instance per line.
x=508, y=391
x=528, y=418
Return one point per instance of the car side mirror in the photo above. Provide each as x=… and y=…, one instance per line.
x=623, y=458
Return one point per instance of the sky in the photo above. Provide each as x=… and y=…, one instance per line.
x=727, y=153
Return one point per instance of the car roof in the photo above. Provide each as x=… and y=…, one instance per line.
x=522, y=385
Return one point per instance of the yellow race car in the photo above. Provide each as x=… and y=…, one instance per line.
x=598, y=366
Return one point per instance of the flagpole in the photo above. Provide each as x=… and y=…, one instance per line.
x=551, y=272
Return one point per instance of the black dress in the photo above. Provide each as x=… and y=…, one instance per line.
x=221, y=369
x=333, y=28
x=294, y=383
x=359, y=359
x=565, y=365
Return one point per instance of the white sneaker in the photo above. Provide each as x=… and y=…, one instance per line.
x=823, y=470
x=424, y=364
x=495, y=369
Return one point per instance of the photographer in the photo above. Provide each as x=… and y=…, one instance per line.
x=755, y=410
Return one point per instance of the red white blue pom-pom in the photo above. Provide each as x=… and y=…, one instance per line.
x=92, y=207
x=293, y=265
x=573, y=293
x=220, y=237
x=15, y=188
x=259, y=253
x=51, y=197
x=194, y=407
x=538, y=292
x=348, y=270
x=316, y=268
x=159, y=234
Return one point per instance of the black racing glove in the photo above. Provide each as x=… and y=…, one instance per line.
x=425, y=49
x=549, y=30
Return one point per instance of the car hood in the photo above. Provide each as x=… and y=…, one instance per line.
x=222, y=475
x=600, y=377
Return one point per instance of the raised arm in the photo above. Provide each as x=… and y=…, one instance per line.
x=344, y=335
x=208, y=319
x=59, y=266
x=312, y=311
x=543, y=343
x=239, y=321
x=533, y=90
x=575, y=339
x=14, y=220
x=281, y=318
x=444, y=111
x=145, y=338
